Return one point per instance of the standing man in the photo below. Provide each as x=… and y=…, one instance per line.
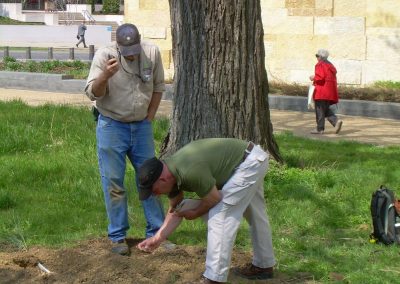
x=81, y=34
x=228, y=175
x=326, y=93
x=126, y=80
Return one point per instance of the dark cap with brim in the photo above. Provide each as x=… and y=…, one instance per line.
x=149, y=173
x=130, y=50
x=128, y=40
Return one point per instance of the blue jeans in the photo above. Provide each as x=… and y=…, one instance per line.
x=116, y=141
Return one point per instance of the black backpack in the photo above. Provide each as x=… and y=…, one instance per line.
x=385, y=220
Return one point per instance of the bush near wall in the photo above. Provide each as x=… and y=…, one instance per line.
x=78, y=69
x=383, y=91
x=110, y=6
x=9, y=21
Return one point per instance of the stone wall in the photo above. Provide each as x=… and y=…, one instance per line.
x=363, y=36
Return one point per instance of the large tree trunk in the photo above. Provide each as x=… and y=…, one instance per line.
x=221, y=86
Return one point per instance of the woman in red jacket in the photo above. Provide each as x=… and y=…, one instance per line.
x=325, y=93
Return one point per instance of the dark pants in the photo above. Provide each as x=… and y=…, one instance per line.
x=81, y=40
x=323, y=111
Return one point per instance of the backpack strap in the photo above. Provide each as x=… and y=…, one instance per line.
x=381, y=231
x=388, y=206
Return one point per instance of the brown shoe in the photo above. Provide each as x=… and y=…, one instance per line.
x=338, y=126
x=315, y=131
x=120, y=247
x=205, y=280
x=254, y=273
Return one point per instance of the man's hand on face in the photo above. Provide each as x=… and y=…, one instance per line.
x=112, y=67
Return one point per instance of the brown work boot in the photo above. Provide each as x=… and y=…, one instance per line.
x=315, y=131
x=204, y=280
x=338, y=126
x=252, y=272
x=120, y=247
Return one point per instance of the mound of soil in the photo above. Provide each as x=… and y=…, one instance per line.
x=92, y=262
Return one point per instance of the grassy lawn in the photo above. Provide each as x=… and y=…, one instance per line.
x=9, y=21
x=318, y=202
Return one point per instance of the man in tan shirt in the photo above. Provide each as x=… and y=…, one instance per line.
x=126, y=80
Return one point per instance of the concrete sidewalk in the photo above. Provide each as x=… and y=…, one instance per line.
x=366, y=130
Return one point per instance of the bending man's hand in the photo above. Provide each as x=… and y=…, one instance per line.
x=149, y=244
x=205, y=204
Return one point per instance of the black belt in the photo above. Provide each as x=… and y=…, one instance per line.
x=247, y=151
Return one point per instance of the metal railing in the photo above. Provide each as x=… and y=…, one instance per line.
x=11, y=1
x=50, y=53
x=86, y=14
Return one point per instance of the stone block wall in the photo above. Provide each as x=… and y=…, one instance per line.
x=363, y=37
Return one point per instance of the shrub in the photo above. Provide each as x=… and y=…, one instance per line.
x=76, y=68
x=8, y=59
x=388, y=84
x=12, y=66
x=111, y=6
x=9, y=21
x=31, y=66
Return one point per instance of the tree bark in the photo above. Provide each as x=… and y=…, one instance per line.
x=221, y=86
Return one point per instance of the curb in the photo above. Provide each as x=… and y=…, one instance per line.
x=64, y=84
x=57, y=83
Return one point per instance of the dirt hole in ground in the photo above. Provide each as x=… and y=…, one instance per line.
x=92, y=262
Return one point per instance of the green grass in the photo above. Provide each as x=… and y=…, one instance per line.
x=9, y=21
x=318, y=202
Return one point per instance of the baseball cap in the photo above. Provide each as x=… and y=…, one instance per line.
x=149, y=173
x=128, y=39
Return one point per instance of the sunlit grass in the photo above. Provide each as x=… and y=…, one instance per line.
x=318, y=202
x=388, y=84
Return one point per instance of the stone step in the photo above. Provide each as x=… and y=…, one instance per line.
x=113, y=25
x=68, y=16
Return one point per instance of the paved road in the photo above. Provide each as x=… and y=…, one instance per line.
x=42, y=55
x=366, y=130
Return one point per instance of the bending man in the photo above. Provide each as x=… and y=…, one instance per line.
x=228, y=175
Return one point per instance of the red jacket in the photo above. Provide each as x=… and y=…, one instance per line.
x=325, y=82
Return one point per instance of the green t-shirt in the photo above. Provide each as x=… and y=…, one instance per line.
x=201, y=164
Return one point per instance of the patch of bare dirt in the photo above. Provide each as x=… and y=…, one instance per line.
x=92, y=262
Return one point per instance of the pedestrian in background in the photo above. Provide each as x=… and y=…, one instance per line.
x=326, y=93
x=126, y=80
x=81, y=34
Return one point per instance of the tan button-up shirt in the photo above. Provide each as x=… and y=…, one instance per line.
x=129, y=91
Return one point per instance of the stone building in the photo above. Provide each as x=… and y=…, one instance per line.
x=363, y=36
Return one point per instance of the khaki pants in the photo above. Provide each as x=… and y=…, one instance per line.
x=243, y=196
